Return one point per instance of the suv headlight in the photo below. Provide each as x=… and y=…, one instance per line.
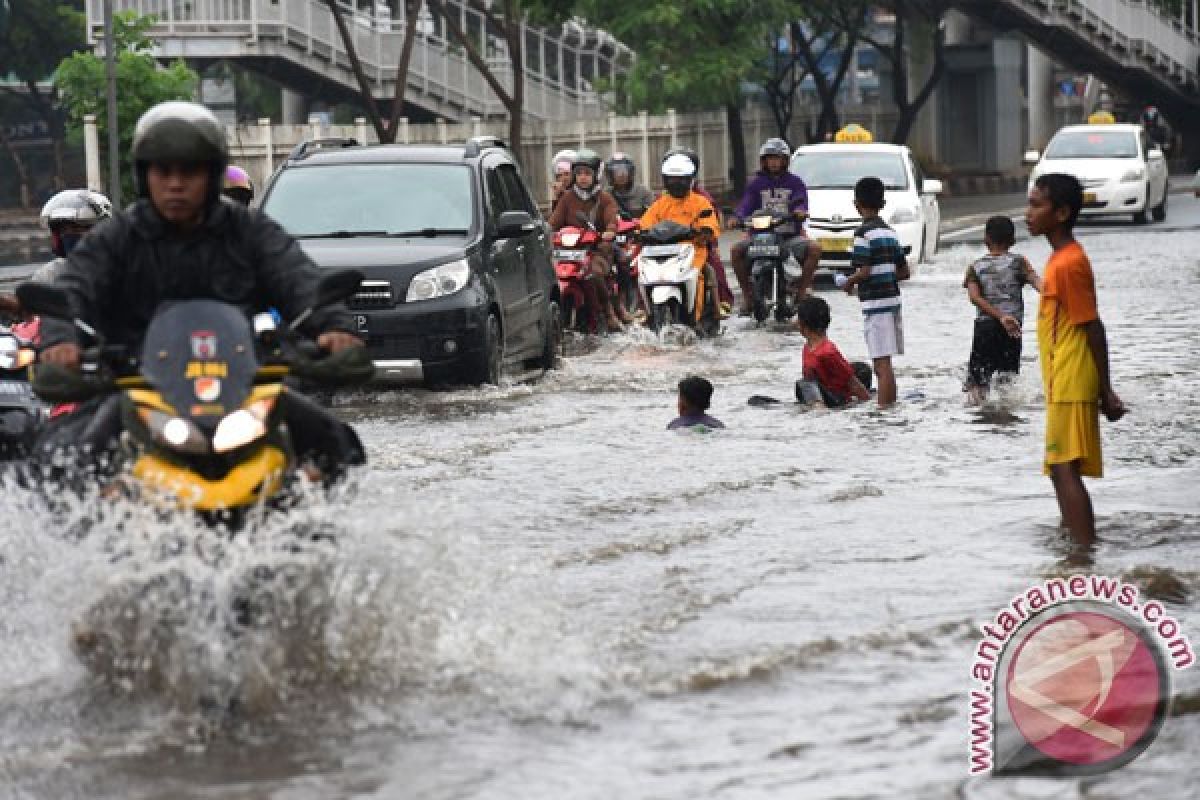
x=1133, y=175
x=439, y=281
x=904, y=215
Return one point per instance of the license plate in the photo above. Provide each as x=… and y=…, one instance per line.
x=362, y=323
x=660, y=250
x=1089, y=197
x=570, y=255
x=14, y=388
x=837, y=245
x=763, y=251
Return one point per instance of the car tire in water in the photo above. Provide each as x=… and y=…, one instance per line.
x=1160, y=210
x=1140, y=217
x=552, y=340
x=487, y=364
x=760, y=294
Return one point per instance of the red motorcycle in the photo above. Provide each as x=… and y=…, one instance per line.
x=627, y=249
x=573, y=251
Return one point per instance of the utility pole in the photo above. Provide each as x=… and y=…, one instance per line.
x=114, y=140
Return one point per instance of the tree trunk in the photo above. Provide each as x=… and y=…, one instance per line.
x=364, y=86
x=411, y=13
x=19, y=164
x=737, y=142
x=910, y=109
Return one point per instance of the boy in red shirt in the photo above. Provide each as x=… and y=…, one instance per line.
x=839, y=382
x=1074, y=353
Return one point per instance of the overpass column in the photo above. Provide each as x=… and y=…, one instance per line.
x=295, y=107
x=1042, y=123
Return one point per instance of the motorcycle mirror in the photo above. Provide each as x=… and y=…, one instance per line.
x=44, y=299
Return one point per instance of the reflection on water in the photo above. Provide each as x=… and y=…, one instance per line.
x=537, y=592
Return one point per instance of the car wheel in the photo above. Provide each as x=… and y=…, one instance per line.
x=552, y=342
x=487, y=364
x=1160, y=210
x=922, y=256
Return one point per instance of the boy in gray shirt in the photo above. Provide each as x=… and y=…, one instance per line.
x=994, y=285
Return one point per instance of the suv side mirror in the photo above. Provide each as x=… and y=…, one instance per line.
x=1031, y=157
x=931, y=186
x=512, y=224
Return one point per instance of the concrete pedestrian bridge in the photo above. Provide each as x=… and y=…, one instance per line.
x=1131, y=45
x=297, y=43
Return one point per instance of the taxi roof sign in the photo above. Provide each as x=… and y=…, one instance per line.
x=854, y=134
x=1101, y=118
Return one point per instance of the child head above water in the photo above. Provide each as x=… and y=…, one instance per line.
x=812, y=315
x=695, y=395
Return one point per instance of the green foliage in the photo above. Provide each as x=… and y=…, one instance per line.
x=691, y=53
x=141, y=83
x=38, y=35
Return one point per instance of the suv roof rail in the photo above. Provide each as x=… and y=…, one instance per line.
x=477, y=144
x=309, y=146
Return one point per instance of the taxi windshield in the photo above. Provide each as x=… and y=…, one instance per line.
x=1093, y=144
x=828, y=169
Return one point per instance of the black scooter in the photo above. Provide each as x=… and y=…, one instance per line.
x=769, y=259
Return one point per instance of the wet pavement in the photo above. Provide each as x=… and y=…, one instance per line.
x=538, y=592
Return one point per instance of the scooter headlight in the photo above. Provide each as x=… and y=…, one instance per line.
x=761, y=223
x=243, y=426
x=439, y=281
x=570, y=239
x=173, y=433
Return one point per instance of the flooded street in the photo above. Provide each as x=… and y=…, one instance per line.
x=538, y=592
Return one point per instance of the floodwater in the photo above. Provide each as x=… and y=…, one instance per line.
x=538, y=592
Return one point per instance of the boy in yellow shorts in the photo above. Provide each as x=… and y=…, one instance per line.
x=1074, y=353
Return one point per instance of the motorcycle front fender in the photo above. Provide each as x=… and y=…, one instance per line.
x=660, y=295
x=258, y=476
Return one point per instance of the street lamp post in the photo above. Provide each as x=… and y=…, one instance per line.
x=114, y=140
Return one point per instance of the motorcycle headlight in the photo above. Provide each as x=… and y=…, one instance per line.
x=904, y=215
x=1133, y=175
x=173, y=433
x=439, y=281
x=243, y=426
x=570, y=239
x=760, y=223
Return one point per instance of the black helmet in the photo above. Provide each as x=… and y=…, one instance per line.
x=619, y=162
x=180, y=132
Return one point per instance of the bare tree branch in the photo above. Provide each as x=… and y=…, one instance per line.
x=364, y=86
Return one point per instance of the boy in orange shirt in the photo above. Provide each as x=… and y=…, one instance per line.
x=1074, y=353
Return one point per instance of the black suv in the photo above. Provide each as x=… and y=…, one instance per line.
x=459, y=281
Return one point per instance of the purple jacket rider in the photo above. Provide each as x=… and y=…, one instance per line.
x=784, y=193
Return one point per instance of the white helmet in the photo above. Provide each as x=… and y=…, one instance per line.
x=678, y=174
x=76, y=207
x=562, y=162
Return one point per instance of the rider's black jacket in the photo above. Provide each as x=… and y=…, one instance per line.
x=127, y=266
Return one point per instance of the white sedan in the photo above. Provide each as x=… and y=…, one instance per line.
x=1121, y=170
x=910, y=200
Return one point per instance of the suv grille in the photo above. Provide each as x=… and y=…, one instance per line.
x=372, y=294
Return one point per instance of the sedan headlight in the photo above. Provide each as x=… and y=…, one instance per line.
x=904, y=215
x=1133, y=175
x=439, y=281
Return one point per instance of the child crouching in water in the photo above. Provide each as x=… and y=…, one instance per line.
x=695, y=396
x=994, y=285
x=837, y=381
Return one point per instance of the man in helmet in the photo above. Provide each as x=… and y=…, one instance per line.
x=632, y=198
x=586, y=197
x=776, y=189
x=560, y=167
x=682, y=204
x=180, y=241
x=724, y=293
x=68, y=216
x=1156, y=131
x=237, y=185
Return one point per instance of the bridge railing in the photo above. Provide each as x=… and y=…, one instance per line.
x=561, y=67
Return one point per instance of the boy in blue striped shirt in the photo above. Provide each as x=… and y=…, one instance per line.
x=879, y=266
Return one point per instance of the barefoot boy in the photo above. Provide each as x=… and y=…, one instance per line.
x=836, y=379
x=1074, y=353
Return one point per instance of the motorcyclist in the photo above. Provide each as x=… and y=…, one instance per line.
x=682, y=204
x=560, y=168
x=68, y=215
x=632, y=198
x=179, y=241
x=587, y=197
x=777, y=189
x=237, y=185
x=1156, y=131
x=724, y=293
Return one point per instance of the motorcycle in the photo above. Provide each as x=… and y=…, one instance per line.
x=22, y=414
x=198, y=412
x=771, y=267
x=573, y=249
x=626, y=250
x=668, y=279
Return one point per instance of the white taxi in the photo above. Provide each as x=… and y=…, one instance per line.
x=830, y=172
x=1121, y=170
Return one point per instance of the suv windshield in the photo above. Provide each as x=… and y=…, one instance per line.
x=1093, y=144
x=372, y=199
x=824, y=169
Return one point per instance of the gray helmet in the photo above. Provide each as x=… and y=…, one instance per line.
x=180, y=132
x=81, y=207
x=590, y=159
x=774, y=147
x=619, y=162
